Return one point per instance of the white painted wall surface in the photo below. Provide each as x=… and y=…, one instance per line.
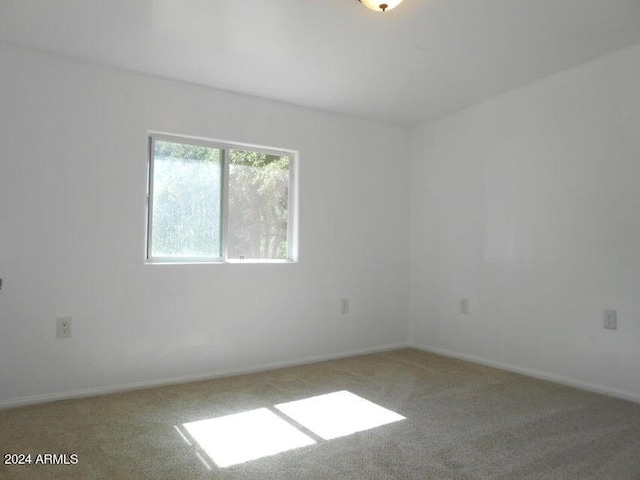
x=73, y=146
x=529, y=205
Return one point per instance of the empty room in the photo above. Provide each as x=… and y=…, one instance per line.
x=320, y=239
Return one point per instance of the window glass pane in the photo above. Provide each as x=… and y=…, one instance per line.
x=258, y=205
x=187, y=182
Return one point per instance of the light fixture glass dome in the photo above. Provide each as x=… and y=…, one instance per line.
x=381, y=5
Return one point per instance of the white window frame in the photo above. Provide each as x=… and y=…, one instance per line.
x=225, y=147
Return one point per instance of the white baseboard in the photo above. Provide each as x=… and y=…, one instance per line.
x=531, y=372
x=90, y=392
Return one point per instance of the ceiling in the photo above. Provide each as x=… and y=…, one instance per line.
x=422, y=60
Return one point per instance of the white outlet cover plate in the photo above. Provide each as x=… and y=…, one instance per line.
x=344, y=306
x=63, y=327
x=610, y=319
x=464, y=306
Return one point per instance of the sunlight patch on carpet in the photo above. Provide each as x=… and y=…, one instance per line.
x=338, y=414
x=241, y=437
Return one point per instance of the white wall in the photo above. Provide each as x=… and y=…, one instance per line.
x=529, y=205
x=73, y=143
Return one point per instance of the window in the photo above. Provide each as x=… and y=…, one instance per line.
x=215, y=202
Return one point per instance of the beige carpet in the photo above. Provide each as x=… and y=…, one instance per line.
x=463, y=421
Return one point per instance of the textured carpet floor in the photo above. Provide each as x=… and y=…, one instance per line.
x=463, y=421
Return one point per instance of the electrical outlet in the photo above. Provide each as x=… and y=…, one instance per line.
x=610, y=319
x=464, y=306
x=344, y=306
x=63, y=327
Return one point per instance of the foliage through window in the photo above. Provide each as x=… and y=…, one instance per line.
x=214, y=202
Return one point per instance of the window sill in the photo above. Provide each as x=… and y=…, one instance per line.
x=219, y=262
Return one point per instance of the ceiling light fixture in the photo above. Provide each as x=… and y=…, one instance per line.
x=381, y=5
